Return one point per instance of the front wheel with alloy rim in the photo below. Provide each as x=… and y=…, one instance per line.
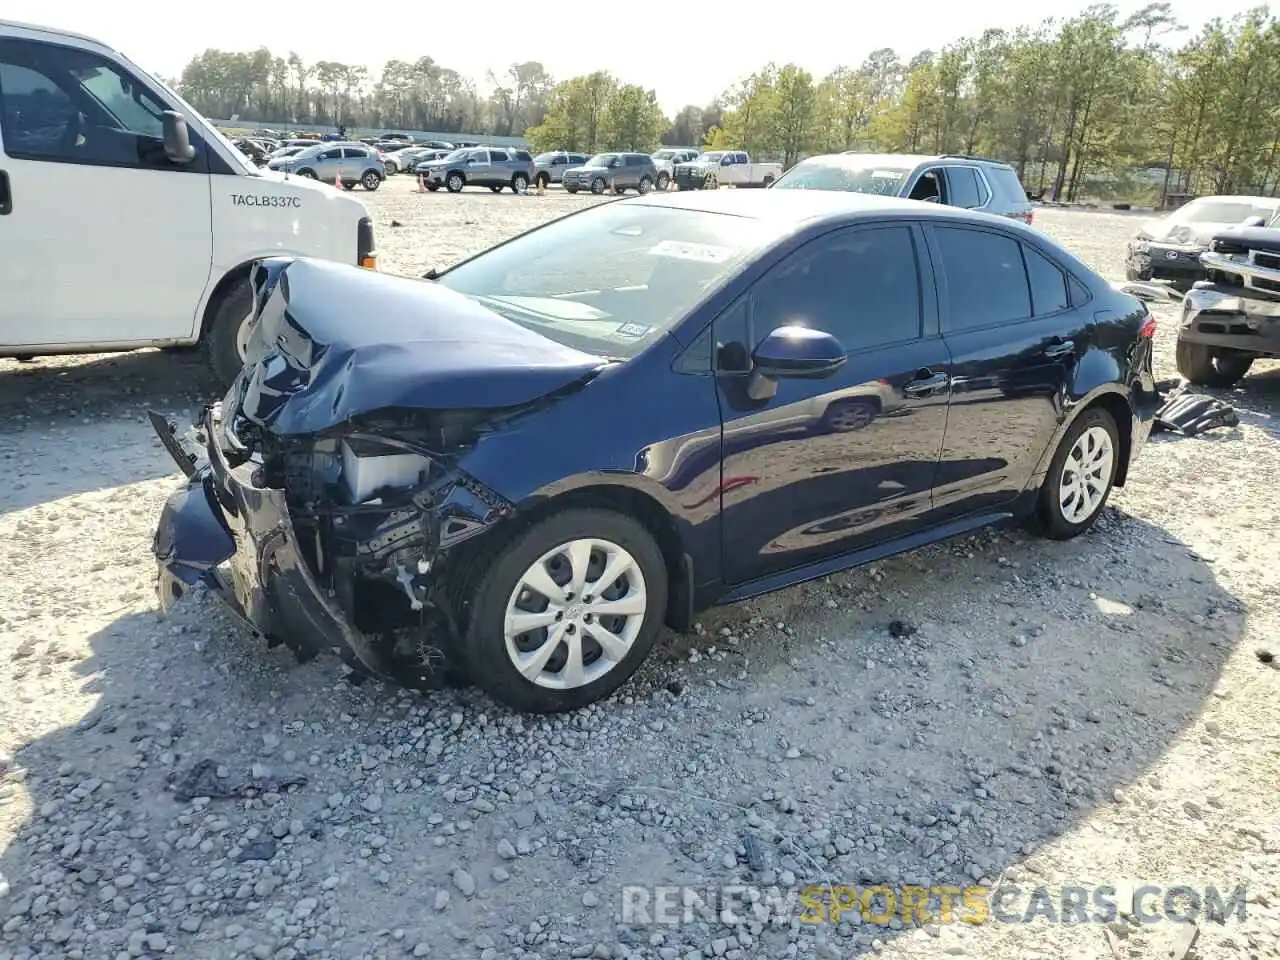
x=519, y=183
x=371, y=181
x=454, y=183
x=597, y=186
x=645, y=185
x=1080, y=476
x=664, y=181
x=226, y=335
x=1207, y=367
x=567, y=611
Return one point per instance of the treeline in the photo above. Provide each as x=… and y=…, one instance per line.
x=1075, y=105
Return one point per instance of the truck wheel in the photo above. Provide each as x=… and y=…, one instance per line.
x=1204, y=367
x=664, y=181
x=571, y=189
x=597, y=186
x=454, y=183
x=225, y=335
x=544, y=181
x=370, y=180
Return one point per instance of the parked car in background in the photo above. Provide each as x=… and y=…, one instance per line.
x=253, y=150
x=447, y=504
x=717, y=168
x=492, y=167
x=620, y=171
x=127, y=220
x=972, y=183
x=402, y=159
x=667, y=158
x=1169, y=248
x=549, y=168
x=424, y=161
x=281, y=152
x=1232, y=318
x=351, y=163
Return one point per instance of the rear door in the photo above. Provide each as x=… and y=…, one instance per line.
x=103, y=240
x=966, y=188
x=499, y=167
x=478, y=167
x=1015, y=325
x=838, y=464
x=354, y=162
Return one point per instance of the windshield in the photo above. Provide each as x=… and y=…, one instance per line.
x=544, y=158
x=456, y=155
x=849, y=177
x=612, y=279
x=601, y=160
x=665, y=154
x=711, y=157
x=1219, y=211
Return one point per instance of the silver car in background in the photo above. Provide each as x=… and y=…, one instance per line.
x=550, y=167
x=351, y=163
x=665, y=161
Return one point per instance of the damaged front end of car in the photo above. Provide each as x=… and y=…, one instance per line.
x=326, y=500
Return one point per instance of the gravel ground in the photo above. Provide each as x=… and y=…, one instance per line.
x=998, y=710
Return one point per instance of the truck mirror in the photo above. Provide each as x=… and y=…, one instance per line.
x=177, y=138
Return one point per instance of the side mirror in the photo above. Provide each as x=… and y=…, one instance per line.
x=795, y=352
x=1255, y=222
x=177, y=138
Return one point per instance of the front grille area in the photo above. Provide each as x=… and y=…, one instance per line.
x=1269, y=260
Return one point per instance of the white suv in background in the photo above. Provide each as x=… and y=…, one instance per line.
x=667, y=158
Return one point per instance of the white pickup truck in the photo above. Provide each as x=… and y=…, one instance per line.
x=127, y=220
x=716, y=168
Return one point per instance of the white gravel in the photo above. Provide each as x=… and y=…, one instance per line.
x=1064, y=714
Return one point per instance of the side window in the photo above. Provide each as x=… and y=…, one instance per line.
x=523, y=156
x=353, y=153
x=862, y=286
x=986, y=281
x=479, y=156
x=499, y=156
x=331, y=154
x=61, y=104
x=964, y=192
x=1048, y=283
x=984, y=192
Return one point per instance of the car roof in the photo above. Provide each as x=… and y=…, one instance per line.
x=797, y=207
x=1238, y=198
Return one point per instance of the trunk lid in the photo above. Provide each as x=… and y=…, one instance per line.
x=330, y=342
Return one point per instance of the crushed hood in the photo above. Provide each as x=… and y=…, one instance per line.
x=331, y=342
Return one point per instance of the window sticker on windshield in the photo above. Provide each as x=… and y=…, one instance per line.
x=632, y=330
x=885, y=174
x=702, y=252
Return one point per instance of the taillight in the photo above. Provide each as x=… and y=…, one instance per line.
x=1148, y=328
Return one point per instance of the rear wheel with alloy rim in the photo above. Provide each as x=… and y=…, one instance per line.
x=567, y=611
x=226, y=337
x=454, y=183
x=1080, y=476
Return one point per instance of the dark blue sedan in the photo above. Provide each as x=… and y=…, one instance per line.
x=515, y=473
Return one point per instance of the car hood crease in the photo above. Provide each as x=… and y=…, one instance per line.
x=332, y=342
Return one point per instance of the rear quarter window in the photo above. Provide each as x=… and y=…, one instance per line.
x=1006, y=184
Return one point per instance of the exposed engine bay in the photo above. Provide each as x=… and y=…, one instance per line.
x=376, y=507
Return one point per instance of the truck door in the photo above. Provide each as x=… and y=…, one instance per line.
x=106, y=241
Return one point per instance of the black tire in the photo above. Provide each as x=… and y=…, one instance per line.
x=454, y=182
x=664, y=180
x=571, y=189
x=644, y=186
x=232, y=308
x=1051, y=521
x=768, y=182
x=432, y=187
x=543, y=181
x=597, y=186
x=370, y=180
x=519, y=183
x=495, y=188
x=484, y=644
x=1205, y=367
x=306, y=172
x=347, y=184
x=1132, y=274
x=844, y=416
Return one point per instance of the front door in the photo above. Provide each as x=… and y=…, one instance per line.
x=830, y=466
x=1015, y=330
x=106, y=240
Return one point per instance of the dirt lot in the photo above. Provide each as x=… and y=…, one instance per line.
x=1082, y=714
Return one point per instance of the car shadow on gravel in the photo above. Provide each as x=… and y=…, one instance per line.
x=933, y=719
x=79, y=424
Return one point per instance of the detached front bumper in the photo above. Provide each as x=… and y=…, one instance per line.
x=223, y=521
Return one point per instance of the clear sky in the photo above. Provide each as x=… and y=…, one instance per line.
x=691, y=60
